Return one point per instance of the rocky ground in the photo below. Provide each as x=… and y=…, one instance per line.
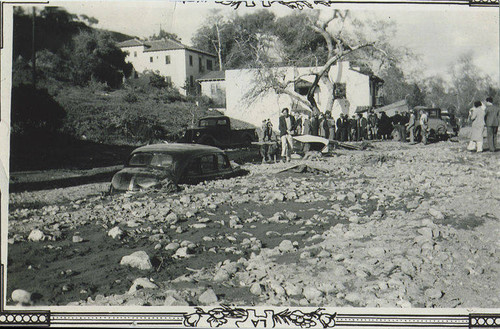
x=392, y=226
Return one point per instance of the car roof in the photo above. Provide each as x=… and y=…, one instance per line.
x=215, y=117
x=179, y=149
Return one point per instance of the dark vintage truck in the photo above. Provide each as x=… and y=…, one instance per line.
x=216, y=131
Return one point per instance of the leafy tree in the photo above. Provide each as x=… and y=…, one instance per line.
x=468, y=84
x=164, y=35
x=96, y=56
x=237, y=40
x=34, y=109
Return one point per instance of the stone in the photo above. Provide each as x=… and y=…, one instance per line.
x=208, y=297
x=311, y=293
x=436, y=213
x=171, y=218
x=292, y=289
x=353, y=297
x=426, y=232
x=172, y=301
x=172, y=246
x=324, y=254
x=286, y=246
x=433, y=293
x=376, y=252
x=22, y=297
x=141, y=283
x=181, y=253
x=221, y=276
x=77, y=239
x=36, y=235
x=138, y=259
x=115, y=233
x=199, y=225
x=256, y=289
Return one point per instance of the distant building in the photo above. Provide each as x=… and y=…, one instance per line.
x=213, y=85
x=178, y=63
x=353, y=90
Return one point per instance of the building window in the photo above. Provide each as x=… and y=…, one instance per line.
x=339, y=90
x=151, y=59
x=190, y=60
x=135, y=53
x=209, y=65
x=200, y=64
x=167, y=59
x=191, y=81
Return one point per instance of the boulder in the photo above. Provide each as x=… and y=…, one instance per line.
x=138, y=259
x=22, y=297
x=115, y=233
x=36, y=235
x=311, y=293
x=141, y=283
x=286, y=246
x=208, y=297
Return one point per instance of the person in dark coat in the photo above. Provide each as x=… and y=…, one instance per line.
x=314, y=125
x=385, y=126
x=339, y=128
x=363, y=126
x=345, y=127
x=492, y=119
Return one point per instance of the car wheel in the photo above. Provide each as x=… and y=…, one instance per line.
x=441, y=132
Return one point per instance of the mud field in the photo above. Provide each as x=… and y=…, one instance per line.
x=392, y=226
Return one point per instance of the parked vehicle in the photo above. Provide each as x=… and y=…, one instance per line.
x=166, y=165
x=438, y=129
x=217, y=131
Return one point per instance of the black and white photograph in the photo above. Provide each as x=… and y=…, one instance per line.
x=250, y=163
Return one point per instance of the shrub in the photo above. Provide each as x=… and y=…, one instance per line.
x=130, y=97
x=35, y=109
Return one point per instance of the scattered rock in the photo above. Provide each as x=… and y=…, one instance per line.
x=138, y=259
x=256, y=289
x=311, y=293
x=21, y=297
x=36, y=235
x=115, y=233
x=286, y=246
x=77, y=239
x=436, y=213
x=172, y=246
x=141, y=283
x=208, y=297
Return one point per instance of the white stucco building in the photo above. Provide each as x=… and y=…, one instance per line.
x=353, y=91
x=178, y=63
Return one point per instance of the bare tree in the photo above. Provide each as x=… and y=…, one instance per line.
x=269, y=78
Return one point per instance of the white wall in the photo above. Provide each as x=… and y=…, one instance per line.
x=266, y=106
x=178, y=70
x=215, y=90
x=269, y=105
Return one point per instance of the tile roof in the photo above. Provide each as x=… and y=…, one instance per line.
x=130, y=43
x=159, y=45
x=213, y=75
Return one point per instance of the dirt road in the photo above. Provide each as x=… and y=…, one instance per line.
x=392, y=226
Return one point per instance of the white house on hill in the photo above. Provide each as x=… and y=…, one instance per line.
x=354, y=91
x=178, y=63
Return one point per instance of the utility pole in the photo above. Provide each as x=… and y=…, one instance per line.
x=33, y=51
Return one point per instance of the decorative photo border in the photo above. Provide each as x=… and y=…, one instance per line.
x=243, y=317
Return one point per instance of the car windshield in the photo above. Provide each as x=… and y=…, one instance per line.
x=151, y=159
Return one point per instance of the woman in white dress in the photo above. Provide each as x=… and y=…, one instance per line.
x=476, y=115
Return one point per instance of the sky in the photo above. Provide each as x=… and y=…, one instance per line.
x=439, y=34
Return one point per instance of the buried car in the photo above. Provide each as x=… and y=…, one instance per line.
x=167, y=165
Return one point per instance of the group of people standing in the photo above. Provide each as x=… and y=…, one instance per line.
x=484, y=116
